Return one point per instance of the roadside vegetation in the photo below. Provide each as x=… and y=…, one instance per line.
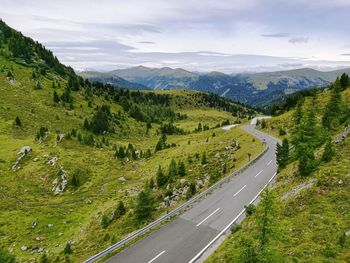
x=83, y=164
x=305, y=216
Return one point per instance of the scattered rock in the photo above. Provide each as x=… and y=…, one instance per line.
x=36, y=159
x=50, y=225
x=10, y=249
x=347, y=233
x=34, y=224
x=24, y=248
x=182, y=181
x=122, y=178
x=340, y=181
x=53, y=161
x=40, y=250
x=60, y=183
x=295, y=191
x=341, y=137
x=61, y=137
x=88, y=201
x=23, y=152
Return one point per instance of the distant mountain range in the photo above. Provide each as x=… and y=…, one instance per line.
x=257, y=89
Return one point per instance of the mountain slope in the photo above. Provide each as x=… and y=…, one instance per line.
x=307, y=214
x=258, y=89
x=73, y=151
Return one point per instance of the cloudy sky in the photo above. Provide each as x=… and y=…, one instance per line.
x=202, y=35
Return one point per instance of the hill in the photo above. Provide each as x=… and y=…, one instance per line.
x=304, y=217
x=257, y=89
x=84, y=164
x=116, y=81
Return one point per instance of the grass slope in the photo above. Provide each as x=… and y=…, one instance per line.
x=34, y=221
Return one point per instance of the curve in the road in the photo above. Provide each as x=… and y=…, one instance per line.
x=187, y=237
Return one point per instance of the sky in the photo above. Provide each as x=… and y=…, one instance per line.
x=223, y=35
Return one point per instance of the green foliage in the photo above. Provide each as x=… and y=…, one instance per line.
x=44, y=259
x=144, y=206
x=204, y=159
x=120, y=210
x=328, y=152
x=41, y=133
x=191, y=190
x=344, y=81
x=105, y=221
x=282, y=153
x=162, y=143
x=56, y=98
x=235, y=228
x=67, y=249
x=172, y=170
x=307, y=161
x=100, y=121
x=160, y=177
x=181, y=169
x=170, y=128
x=333, y=114
x=120, y=153
x=18, y=122
x=6, y=257
x=249, y=209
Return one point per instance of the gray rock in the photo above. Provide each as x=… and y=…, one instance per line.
x=347, y=233
x=50, y=225
x=24, y=248
x=53, y=161
x=122, y=178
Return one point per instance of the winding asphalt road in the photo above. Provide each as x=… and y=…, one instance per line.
x=184, y=237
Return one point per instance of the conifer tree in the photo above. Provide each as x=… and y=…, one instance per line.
x=172, y=171
x=120, y=210
x=282, y=153
x=204, y=159
x=144, y=206
x=160, y=177
x=328, y=151
x=181, y=169
x=18, y=122
x=333, y=113
x=307, y=160
x=56, y=98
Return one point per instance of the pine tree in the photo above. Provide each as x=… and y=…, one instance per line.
x=282, y=153
x=75, y=180
x=144, y=206
x=204, y=159
x=105, y=221
x=56, y=98
x=120, y=210
x=181, y=169
x=18, y=122
x=160, y=177
x=67, y=249
x=333, y=113
x=151, y=183
x=344, y=81
x=328, y=151
x=86, y=124
x=307, y=160
x=172, y=171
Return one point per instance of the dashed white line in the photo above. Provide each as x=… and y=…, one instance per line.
x=153, y=259
x=207, y=217
x=255, y=176
x=239, y=190
x=227, y=227
x=269, y=163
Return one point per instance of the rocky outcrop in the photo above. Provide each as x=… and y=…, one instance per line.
x=296, y=190
x=341, y=137
x=23, y=152
x=60, y=183
x=53, y=161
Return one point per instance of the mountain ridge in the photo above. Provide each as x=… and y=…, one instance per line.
x=257, y=89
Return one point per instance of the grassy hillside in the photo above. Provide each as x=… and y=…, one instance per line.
x=61, y=200
x=307, y=216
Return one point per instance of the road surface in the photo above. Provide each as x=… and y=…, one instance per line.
x=184, y=237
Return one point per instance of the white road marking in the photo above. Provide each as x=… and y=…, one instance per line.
x=153, y=259
x=228, y=226
x=269, y=163
x=208, y=217
x=239, y=190
x=258, y=174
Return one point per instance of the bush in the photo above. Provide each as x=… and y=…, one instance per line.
x=67, y=249
x=249, y=209
x=235, y=227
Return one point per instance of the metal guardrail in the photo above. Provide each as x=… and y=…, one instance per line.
x=174, y=212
